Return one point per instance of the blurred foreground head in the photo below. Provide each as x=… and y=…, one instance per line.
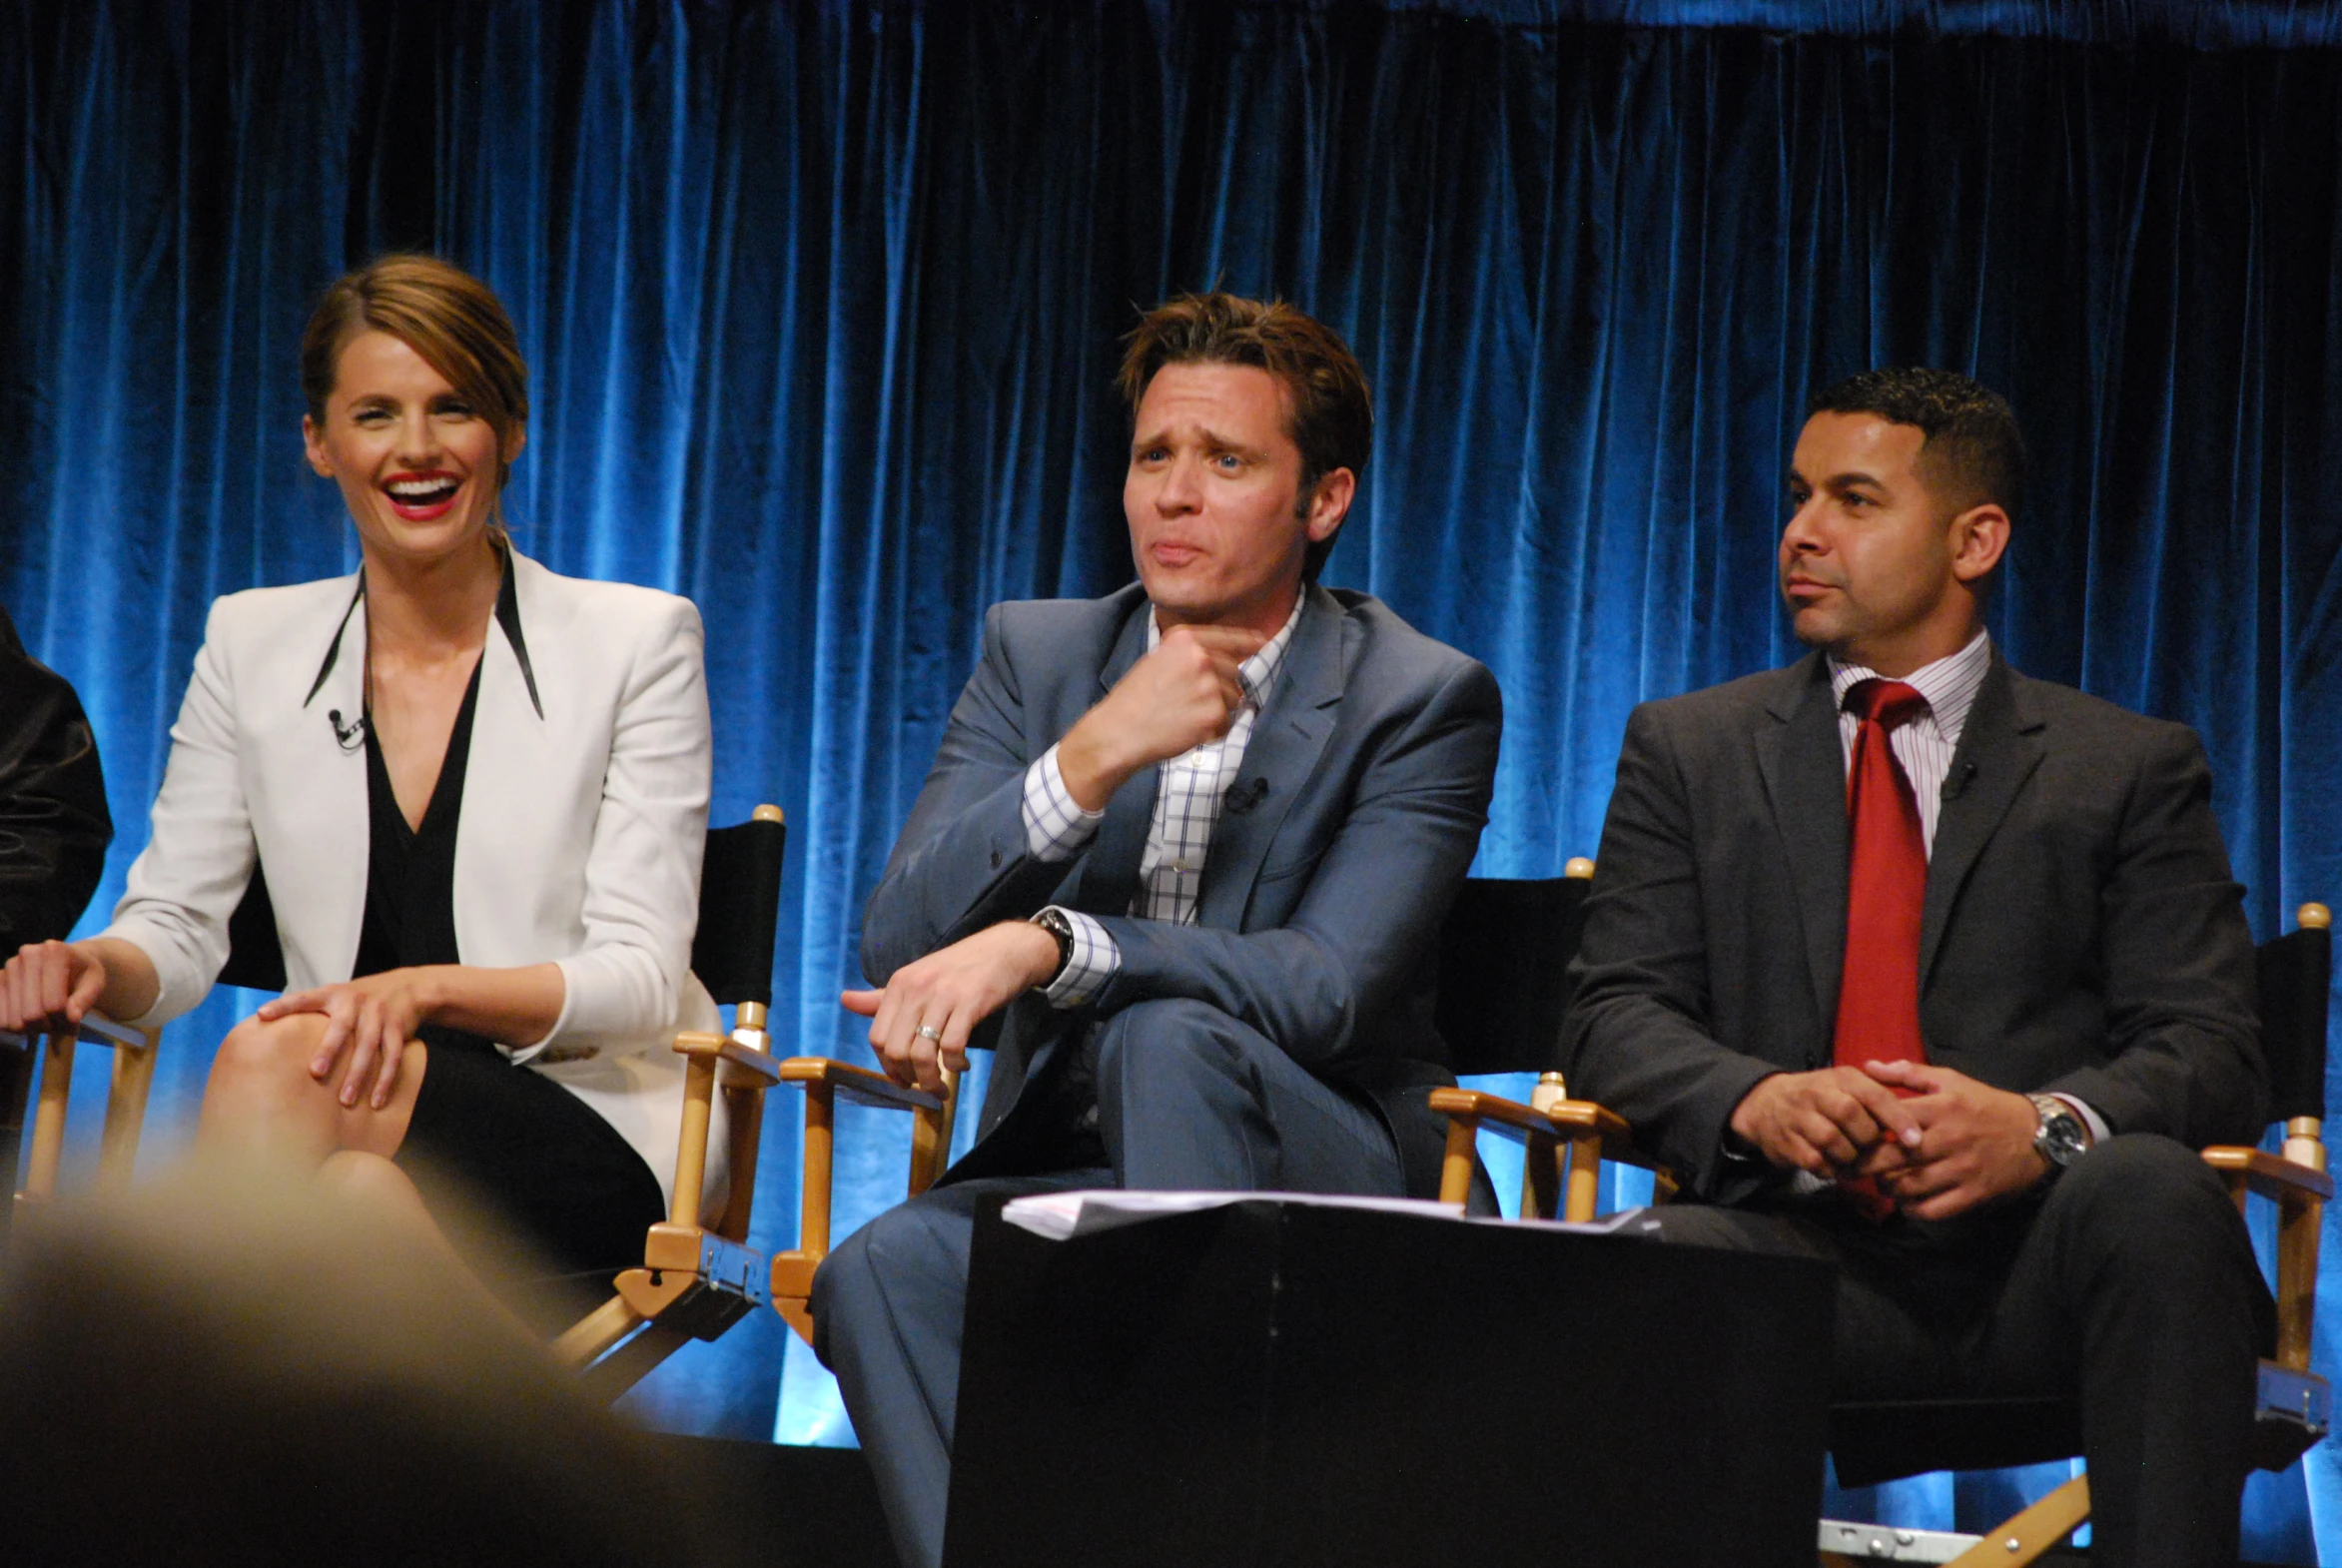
x=231, y=1366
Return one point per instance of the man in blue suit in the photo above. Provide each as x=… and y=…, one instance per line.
x=1184, y=857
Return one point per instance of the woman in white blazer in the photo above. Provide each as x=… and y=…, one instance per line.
x=477, y=792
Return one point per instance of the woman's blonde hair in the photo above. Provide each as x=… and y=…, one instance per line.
x=442, y=313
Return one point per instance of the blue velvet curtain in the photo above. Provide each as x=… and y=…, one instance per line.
x=821, y=303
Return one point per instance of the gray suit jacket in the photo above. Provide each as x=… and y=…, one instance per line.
x=2081, y=930
x=1371, y=763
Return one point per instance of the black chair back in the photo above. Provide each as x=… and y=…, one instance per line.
x=740, y=910
x=256, y=959
x=2296, y=973
x=1504, y=958
x=731, y=952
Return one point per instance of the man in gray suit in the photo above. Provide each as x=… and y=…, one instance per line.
x=1183, y=856
x=1959, y=1032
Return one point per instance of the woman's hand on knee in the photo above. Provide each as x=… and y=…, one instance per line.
x=49, y=985
x=369, y=1020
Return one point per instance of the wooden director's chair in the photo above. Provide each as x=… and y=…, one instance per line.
x=2292, y=1406
x=697, y=1279
x=256, y=962
x=1504, y=958
x=52, y=1056
x=1880, y=1441
x=824, y=1081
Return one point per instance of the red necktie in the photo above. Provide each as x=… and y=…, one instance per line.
x=1885, y=892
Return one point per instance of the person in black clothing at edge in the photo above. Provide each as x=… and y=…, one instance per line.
x=54, y=827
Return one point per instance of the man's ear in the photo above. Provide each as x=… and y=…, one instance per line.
x=1329, y=502
x=1979, y=537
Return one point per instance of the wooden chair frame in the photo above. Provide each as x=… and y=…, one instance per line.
x=126, y=1100
x=1568, y=1139
x=1565, y=1141
x=824, y=1082
x=696, y=1280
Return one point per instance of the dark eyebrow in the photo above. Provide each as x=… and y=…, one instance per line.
x=1211, y=440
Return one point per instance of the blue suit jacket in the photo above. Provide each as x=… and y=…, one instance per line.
x=1320, y=907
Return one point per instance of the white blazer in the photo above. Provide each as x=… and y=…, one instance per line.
x=583, y=819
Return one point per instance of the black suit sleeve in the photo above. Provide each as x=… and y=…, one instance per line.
x=2181, y=1001
x=54, y=827
x=1634, y=1039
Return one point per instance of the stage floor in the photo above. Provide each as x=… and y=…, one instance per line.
x=812, y=1507
x=816, y=1508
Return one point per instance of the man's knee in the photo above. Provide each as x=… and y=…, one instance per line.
x=1174, y=1038
x=2150, y=1198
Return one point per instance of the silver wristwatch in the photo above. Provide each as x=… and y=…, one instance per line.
x=2059, y=1137
x=1052, y=919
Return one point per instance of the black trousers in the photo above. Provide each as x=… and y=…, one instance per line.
x=2128, y=1283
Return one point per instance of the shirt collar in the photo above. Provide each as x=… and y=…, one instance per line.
x=1949, y=685
x=1258, y=673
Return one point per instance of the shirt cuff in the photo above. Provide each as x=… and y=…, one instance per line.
x=1056, y=827
x=2100, y=1132
x=1094, y=959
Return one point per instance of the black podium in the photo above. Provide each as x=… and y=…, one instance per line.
x=1284, y=1383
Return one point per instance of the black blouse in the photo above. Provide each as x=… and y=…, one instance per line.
x=410, y=871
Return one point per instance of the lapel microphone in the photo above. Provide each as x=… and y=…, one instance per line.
x=1245, y=796
x=1955, y=782
x=347, y=737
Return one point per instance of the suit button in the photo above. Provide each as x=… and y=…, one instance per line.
x=996, y=860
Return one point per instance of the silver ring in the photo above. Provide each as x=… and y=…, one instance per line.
x=929, y=1032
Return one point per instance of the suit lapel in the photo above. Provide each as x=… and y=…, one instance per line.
x=1998, y=749
x=511, y=753
x=1288, y=736
x=1803, y=763
x=317, y=806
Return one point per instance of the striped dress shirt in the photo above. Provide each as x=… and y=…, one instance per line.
x=1924, y=744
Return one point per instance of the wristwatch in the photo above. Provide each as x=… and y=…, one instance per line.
x=1052, y=919
x=2060, y=1136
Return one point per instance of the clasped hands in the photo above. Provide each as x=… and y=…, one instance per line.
x=1953, y=1143
x=1187, y=691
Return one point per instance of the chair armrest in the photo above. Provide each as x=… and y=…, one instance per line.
x=96, y=1030
x=744, y=1067
x=99, y=1030
x=858, y=1084
x=1502, y=1115
x=2271, y=1175
x=1562, y=1119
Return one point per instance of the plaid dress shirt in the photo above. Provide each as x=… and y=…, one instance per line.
x=1190, y=791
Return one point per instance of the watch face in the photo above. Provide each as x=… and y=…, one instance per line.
x=2061, y=1139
